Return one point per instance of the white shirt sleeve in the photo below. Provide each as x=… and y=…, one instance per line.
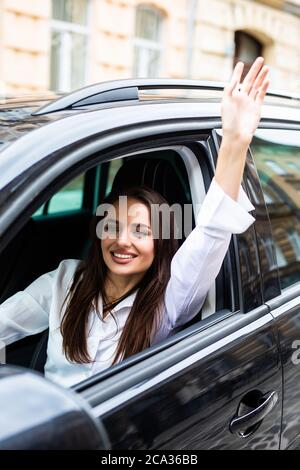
x=198, y=261
x=27, y=312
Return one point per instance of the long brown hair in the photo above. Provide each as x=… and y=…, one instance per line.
x=89, y=280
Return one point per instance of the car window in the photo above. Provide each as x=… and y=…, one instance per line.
x=112, y=171
x=67, y=199
x=277, y=157
x=67, y=236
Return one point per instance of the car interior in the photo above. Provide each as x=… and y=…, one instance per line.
x=60, y=229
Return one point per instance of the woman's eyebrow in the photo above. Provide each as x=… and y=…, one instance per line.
x=116, y=221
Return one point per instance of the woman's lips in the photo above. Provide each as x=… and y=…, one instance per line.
x=121, y=260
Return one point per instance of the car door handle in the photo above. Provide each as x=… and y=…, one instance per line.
x=240, y=425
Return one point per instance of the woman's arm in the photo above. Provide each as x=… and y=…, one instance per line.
x=225, y=208
x=27, y=312
x=241, y=109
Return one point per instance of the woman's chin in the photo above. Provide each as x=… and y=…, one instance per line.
x=121, y=269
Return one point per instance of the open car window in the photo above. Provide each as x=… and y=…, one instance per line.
x=60, y=228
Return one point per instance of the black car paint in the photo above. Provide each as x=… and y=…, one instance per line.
x=286, y=311
x=188, y=403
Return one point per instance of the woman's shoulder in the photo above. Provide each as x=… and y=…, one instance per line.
x=66, y=270
x=69, y=264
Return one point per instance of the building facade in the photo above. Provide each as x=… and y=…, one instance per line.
x=62, y=45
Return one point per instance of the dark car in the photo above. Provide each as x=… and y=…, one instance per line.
x=230, y=379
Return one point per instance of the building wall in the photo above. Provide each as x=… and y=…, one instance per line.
x=25, y=39
x=278, y=31
x=24, y=46
x=113, y=29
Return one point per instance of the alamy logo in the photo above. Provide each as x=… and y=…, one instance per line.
x=2, y=352
x=296, y=354
x=160, y=219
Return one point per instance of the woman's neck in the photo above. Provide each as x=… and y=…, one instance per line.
x=117, y=286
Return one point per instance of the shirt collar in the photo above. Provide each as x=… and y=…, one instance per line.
x=127, y=302
x=94, y=320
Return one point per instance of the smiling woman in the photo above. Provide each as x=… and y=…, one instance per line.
x=136, y=287
x=125, y=261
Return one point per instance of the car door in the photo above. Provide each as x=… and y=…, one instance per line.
x=190, y=395
x=277, y=156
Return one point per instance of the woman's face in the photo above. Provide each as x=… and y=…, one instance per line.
x=128, y=250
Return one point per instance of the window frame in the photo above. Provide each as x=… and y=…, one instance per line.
x=142, y=44
x=250, y=292
x=65, y=30
x=198, y=192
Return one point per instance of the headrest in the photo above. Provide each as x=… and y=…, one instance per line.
x=158, y=174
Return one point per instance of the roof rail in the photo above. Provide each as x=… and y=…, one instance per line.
x=128, y=90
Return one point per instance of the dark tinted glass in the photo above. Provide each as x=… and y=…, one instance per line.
x=277, y=157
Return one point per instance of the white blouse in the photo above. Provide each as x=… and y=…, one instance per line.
x=194, y=268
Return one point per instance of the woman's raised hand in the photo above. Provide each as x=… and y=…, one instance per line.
x=241, y=110
x=241, y=104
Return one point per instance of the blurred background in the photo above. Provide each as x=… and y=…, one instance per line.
x=62, y=45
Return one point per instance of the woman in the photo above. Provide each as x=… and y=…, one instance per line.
x=135, y=289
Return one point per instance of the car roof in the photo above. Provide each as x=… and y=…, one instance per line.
x=18, y=116
x=138, y=102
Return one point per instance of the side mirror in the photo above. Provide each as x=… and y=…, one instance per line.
x=38, y=414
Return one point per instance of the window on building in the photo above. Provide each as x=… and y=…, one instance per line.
x=294, y=239
x=281, y=260
x=275, y=167
x=247, y=48
x=268, y=198
x=293, y=167
x=147, y=42
x=69, y=39
x=268, y=247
